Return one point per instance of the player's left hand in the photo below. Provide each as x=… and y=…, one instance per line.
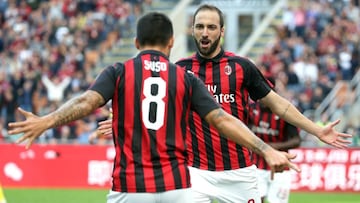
x=332, y=137
x=104, y=129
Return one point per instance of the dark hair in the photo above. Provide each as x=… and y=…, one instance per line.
x=154, y=28
x=211, y=8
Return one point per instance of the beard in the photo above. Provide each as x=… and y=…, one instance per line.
x=208, y=51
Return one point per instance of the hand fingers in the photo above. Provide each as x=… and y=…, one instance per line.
x=17, y=126
x=102, y=129
x=343, y=141
x=290, y=164
x=335, y=123
x=25, y=113
x=106, y=122
x=19, y=123
x=108, y=132
x=272, y=174
x=290, y=156
x=31, y=140
x=281, y=168
x=344, y=135
x=105, y=125
x=294, y=167
x=339, y=145
x=22, y=138
x=102, y=132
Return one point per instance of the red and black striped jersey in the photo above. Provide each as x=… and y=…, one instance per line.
x=231, y=80
x=151, y=100
x=270, y=128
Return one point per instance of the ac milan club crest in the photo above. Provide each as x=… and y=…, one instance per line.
x=228, y=69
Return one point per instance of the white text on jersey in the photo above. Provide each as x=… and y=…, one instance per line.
x=156, y=66
x=220, y=98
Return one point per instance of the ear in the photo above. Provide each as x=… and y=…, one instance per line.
x=171, y=42
x=137, y=44
x=222, y=31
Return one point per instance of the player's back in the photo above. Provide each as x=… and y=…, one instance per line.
x=151, y=102
x=150, y=108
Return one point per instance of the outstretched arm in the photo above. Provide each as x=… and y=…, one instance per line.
x=291, y=114
x=33, y=126
x=293, y=139
x=234, y=129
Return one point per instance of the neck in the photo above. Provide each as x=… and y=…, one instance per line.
x=163, y=50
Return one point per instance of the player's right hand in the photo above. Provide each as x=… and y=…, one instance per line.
x=31, y=128
x=280, y=161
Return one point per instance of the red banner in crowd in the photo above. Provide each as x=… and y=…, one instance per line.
x=56, y=166
x=324, y=169
x=87, y=166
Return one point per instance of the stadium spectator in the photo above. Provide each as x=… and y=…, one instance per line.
x=355, y=131
x=8, y=104
x=63, y=38
x=214, y=161
x=328, y=42
x=345, y=63
x=280, y=135
x=300, y=20
x=3, y=131
x=150, y=162
x=84, y=129
x=317, y=97
x=306, y=68
x=55, y=87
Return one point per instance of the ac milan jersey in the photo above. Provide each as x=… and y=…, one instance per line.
x=231, y=80
x=151, y=100
x=270, y=128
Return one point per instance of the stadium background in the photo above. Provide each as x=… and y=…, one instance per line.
x=51, y=50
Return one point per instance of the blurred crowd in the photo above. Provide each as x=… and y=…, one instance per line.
x=48, y=53
x=49, y=50
x=317, y=46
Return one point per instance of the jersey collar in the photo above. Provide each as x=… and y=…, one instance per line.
x=215, y=59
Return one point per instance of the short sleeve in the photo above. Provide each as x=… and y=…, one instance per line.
x=105, y=82
x=256, y=83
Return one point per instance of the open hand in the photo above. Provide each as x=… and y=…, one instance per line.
x=330, y=136
x=31, y=128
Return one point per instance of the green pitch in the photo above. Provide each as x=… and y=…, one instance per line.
x=326, y=197
x=99, y=196
x=55, y=195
